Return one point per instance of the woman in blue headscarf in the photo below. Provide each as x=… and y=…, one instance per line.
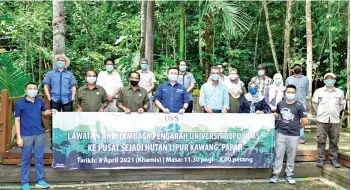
x=253, y=102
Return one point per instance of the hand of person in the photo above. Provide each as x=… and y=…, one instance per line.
x=140, y=110
x=181, y=111
x=101, y=109
x=54, y=111
x=224, y=110
x=47, y=112
x=127, y=111
x=166, y=110
x=276, y=115
x=49, y=99
x=207, y=109
x=73, y=98
x=259, y=112
x=19, y=141
x=79, y=110
x=110, y=97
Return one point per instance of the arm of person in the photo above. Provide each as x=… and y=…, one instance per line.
x=44, y=111
x=202, y=99
x=145, y=104
x=303, y=116
x=105, y=101
x=342, y=102
x=73, y=84
x=186, y=101
x=78, y=102
x=242, y=105
x=125, y=109
x=17, y=114
x=159, y=105
x=47, y=82
x=304, y=122
x=192, y=86
x=157, y=97
x=266, y=108
x=315, y=100
x=153, y=80
x=225, y=101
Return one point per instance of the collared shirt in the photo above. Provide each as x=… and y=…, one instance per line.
x=91, y=100
x=30, y=116
x=146, y=80
x=133, y=100
x=60, y=84
x=172, y=97
x=214, y=96
x=261, y=84
x=328, y=104
x=302, y=87
x=110, y=82
x=186, y=80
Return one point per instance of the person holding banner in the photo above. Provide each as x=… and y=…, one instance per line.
x=253, y=102
x=31, y=135
x=133, y=98
x=91, y=97
x=291, y=116
x=214, y=96
x=172, y=97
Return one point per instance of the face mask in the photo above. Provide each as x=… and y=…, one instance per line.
x=182, y=68
x=60, y=64
x=134, y=83
x=290, y=96
x=91, y=80
x=297, y=70
x=233, y=76
x=32, y=93
x=329, y=82
x=144, y=66
x=253, y=91
x=109, y=68
x=215, y=76
x=277, y=82
x=172, y=78
x=260, y=72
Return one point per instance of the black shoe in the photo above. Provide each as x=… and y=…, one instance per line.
x=320, y=163
x=334, y=163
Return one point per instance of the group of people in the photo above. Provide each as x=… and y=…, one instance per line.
x=104, y=92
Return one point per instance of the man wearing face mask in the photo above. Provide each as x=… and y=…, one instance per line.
x=111, y=81
x=91, y=97
x=172, y=97
x=214, y=96
x=147, y=80
x=302, y=86
x=261, y=81
x=30, y=134
x=133, y=98
x=222, y=77
x=188, y=81
x=291, y=115
x=328, y=102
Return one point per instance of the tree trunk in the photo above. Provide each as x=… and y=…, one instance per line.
x=58, y=27
x=143, y=27
x=256, y=43
x=264, y=4
x=200, y=31
x=309, y=45
x=330, y=36
x=208, y=46
x=181, y=30
x=287, y=31
x=348, y=62
x=149, y=42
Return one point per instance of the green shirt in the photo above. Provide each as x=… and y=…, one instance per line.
x=133, y=100
x=91, y=100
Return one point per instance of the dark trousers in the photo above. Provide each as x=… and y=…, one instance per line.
x=332, y=131
x=214, y=111
x=189, y=109
x=59, y=106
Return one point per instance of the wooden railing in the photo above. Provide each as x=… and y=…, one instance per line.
x=7, y=131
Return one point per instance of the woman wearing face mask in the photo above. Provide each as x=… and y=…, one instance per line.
x=275, y=93
x=253, y=102
x=236, y=90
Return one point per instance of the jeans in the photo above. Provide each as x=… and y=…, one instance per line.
x=38, y=143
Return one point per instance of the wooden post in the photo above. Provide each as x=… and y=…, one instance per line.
x=3, y=117
x=46, y=118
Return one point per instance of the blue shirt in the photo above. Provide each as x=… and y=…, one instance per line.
x=302, y=87
x=214, y=96
x=60, y=84
x=172, y=97
x=30, y=116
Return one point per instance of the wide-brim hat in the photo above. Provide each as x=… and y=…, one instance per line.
x=68, y=61
x=329, y=74
x=261, y=66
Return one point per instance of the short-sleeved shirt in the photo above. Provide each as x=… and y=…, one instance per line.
x=60, y=84
x=133, y=100
x=91, y=100
x=110, y=82
x=330, y=104
x=30, y=116
x=186, y=80
x=302, y=87
x=146, y=80
x=172, y=97
x=289, y=123
x=261, y=84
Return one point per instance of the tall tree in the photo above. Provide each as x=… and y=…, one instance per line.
x=287, y=32
x=309, y=45
x=265, y=8
x=181, y=30
x=149, y=42
x=330, y=36
x=143, y=27
x=58, y=27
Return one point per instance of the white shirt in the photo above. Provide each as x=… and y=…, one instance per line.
x=110, y=82
x=146, y=80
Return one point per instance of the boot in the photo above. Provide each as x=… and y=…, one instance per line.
x=320, y=162
x=334, y=163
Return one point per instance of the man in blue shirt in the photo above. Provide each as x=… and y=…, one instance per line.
x=30, y=134
x=214, y=96
x=172, y=97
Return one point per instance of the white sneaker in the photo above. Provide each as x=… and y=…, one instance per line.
x=290, y=180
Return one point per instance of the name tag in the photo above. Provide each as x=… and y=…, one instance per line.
x=179, y=90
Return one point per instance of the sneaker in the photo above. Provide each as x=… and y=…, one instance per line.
x=25, y=186
x=320, y=163
x=302, y=140
x=290, y=180
x=42, y=184
x=334, y=163
x=274, y=179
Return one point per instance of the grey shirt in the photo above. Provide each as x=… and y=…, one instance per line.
x=186, y=80
x=289, y=123
x=302, y=86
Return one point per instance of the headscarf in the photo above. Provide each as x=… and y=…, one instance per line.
x=234, y=86
x=275, y=91
x=253, y=98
